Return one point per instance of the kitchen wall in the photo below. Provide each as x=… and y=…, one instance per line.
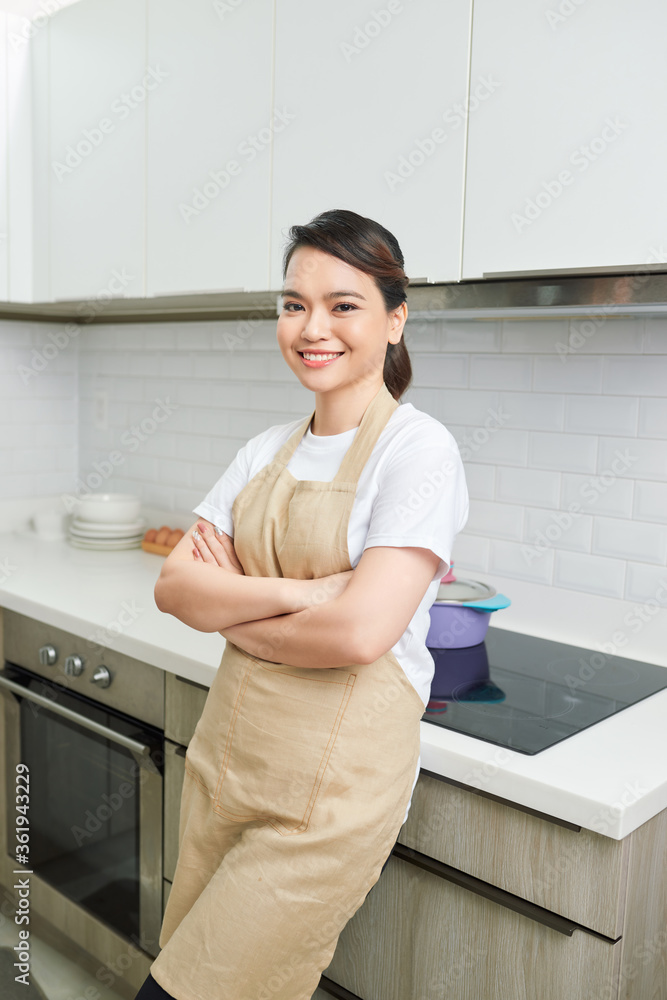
x=562, y=425
x=38, y=410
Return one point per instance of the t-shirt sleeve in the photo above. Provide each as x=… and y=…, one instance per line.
x=218, y=502
x=422, y=500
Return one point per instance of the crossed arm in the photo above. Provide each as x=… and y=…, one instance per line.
x=345, y=618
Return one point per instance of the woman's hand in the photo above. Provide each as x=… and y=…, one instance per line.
x=213, y=546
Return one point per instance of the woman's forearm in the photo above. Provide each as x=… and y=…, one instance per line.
x=315, y=637
x=209, y=598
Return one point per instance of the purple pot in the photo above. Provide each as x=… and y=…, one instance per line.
x=454, y=626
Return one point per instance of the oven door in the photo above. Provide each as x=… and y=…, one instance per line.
x=95, y=807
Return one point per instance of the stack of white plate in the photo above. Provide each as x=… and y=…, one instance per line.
x=107, y=521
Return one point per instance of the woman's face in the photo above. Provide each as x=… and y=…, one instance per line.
x=333, y=328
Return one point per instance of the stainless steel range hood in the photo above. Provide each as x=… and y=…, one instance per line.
x=611, y=291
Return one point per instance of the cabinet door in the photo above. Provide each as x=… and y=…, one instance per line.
x=581, y=875
x=418, y=937
x=99, y=84
x=567, y=167
x=210, y=128
x=375, y=95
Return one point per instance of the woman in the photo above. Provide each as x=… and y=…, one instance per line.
x=301, y=768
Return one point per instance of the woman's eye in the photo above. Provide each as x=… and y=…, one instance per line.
x=346, y=306
x=292, y=306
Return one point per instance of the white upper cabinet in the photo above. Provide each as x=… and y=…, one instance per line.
x=370, y=105
x=4, y=166
x=99, y=86
x=566, y=163
x=210, y=126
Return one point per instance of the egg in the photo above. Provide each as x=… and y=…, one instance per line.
x=174, y=538
x=150, y=535
x=162, y=536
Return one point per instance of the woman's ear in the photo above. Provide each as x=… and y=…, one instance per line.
x=397, y=318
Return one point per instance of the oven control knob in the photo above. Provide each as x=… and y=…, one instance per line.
x=101, y=677
x=73, y=665
x=48, y=656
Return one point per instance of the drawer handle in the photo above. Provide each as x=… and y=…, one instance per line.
x=538, y=913
x=334, y=990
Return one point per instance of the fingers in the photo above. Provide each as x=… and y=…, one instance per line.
x=228, y=545
x=201, y=536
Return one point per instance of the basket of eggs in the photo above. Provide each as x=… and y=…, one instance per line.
x=161, y=540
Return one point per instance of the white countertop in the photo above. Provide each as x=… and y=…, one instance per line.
x=609, y=778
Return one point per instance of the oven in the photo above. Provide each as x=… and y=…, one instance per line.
x=84, y=745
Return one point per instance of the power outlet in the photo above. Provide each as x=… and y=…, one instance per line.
x=101, y=410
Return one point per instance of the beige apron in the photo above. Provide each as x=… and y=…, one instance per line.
x=297, y=779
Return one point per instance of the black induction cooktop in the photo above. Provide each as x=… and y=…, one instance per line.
x=526, y=693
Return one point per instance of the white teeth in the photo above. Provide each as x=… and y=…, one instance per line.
x=320, y=357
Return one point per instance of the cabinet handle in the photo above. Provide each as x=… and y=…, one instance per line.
x=334, y=990
x=538, y=913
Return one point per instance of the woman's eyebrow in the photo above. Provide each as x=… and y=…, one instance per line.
x=329, y=295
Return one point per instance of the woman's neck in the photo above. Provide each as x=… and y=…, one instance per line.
x=336, y=412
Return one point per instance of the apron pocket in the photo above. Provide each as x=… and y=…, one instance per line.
x=282, y=729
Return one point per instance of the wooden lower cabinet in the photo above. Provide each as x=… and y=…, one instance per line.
x=419, y=937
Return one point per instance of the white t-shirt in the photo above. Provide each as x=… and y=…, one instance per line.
x=411, y=492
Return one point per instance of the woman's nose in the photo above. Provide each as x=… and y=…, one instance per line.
x=317, y=326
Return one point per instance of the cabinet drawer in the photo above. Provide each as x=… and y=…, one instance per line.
x=184, y=703
x=580, y=875
x=418, y=937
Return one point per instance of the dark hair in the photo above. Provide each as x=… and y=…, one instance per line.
x=370, y=248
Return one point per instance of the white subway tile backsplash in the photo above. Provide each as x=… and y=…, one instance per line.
x=489, y=445
x=533, y=487
x=630, y=540
x=481, y=481
x=523, y=562
x=562, y=529
x=495, y=520
x=533, y=336
x=499, y=372
x=563, y=452
x=650, y=502
x=590, y=573
x=653, y=417
x=598, y=494
x=641, y=376
x=647, y=585
x=606, y=334
x=465, y=406
x=655, y=341
x=470, y=335
x=470, y=552
x=567, y=374
x=440, y=370
x=533, y=411
x=633, y=458
x=601, y=414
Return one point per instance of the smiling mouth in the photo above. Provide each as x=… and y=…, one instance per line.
x=320, y=355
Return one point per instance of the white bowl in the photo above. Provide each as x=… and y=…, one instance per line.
x=102, y=508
